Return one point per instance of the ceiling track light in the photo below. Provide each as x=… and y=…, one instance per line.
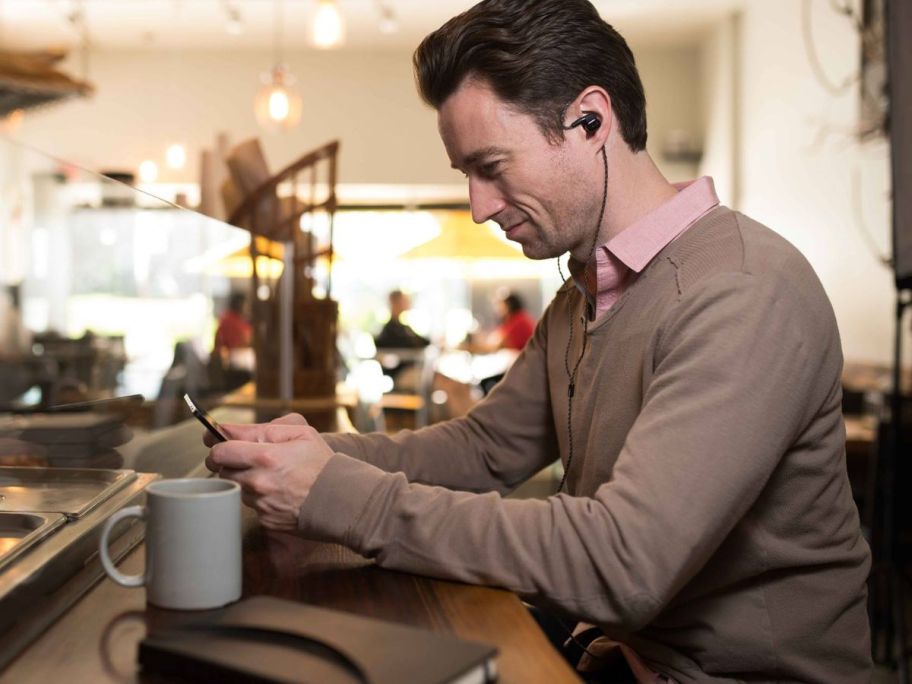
x=388, y=22
x=234, y=22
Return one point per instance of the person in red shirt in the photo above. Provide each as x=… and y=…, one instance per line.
x=513, y=331
x=227, y=370
x=516, y=324
x=234, y=330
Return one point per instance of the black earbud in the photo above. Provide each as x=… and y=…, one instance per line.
x=589, y=121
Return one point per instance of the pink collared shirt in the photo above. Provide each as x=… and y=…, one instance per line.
x=618, y=262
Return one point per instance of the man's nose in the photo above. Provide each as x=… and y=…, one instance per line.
x=485, y=200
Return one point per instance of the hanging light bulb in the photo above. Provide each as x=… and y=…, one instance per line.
x=148, y=171
x=278, y=104
x=176, y=156
x=328, y=25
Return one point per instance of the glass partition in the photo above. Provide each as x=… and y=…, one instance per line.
x=105, y=291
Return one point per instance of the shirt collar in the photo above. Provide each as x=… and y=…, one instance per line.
x=638, y=244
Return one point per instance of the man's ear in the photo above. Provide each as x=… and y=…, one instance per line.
x=593, y=107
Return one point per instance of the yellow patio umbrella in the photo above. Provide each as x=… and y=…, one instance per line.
x=238, y=264
x=461, y=238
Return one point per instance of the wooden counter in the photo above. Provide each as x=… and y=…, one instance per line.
x=96, y=640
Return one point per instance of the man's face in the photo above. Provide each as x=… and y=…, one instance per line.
x=540, y=193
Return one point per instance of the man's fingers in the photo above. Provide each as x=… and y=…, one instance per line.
x=290, y=419
x=285, y=429
x=278, y=432
x=235, y=455
x=245, y=432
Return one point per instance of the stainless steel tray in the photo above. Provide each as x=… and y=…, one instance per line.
x=21, y=531
x=70, y=491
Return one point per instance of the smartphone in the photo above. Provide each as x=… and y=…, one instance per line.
x=214, y=428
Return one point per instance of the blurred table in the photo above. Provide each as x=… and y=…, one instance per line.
x=96, y=640
x=326, y=414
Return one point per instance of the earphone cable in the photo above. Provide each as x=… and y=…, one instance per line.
x=571, y=374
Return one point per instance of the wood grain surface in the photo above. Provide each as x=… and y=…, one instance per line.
x=96, y=640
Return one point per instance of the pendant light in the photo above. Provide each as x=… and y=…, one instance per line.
x=278, y=104
x=328, y=25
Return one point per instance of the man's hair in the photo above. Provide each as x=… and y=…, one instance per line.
x=538, y=56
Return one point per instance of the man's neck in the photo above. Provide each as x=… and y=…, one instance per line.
x=635, y=188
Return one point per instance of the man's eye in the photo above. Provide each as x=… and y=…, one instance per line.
x=489, y=170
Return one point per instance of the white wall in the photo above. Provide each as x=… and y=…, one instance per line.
x=802, y=172
x=145, y=100
x=719, y=74
x=672, y=79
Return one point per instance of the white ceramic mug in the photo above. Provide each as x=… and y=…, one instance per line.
x=193, y=543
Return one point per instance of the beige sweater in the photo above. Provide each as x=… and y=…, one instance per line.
x=709, y=522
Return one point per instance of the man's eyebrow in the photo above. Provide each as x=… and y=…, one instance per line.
x=476, y=156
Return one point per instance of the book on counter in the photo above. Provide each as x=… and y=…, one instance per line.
x=267, y=639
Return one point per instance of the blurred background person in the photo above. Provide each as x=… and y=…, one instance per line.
x=234, y=330
x=514, y=330
x=398, y=345
x=396, y=334
x=506, y=340
x=231, y=361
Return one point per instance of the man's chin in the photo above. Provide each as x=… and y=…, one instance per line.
x=537, y=251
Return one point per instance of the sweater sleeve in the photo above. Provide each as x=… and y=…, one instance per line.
x=739, y=368
x=504, y=440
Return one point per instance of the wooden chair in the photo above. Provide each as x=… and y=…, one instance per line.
x=414, y=399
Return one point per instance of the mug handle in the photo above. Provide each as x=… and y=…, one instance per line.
x=113, y=572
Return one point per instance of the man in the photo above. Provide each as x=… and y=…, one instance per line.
x=688, y=378
x=395, y=333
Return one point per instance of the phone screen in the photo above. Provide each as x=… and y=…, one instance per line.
x=214, y=428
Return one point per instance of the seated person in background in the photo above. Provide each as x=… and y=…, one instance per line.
x=234, y=330
x=396, y=334
x=234, y=333
x=516, y=325
x=515, y=328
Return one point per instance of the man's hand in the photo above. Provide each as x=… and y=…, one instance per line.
x=276, y=465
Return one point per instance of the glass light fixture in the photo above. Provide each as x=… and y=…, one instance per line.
x=278, y=104
x=176, y=156
x=148, y=171
x=328, y=25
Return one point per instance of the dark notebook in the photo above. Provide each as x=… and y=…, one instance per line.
x=265, y=639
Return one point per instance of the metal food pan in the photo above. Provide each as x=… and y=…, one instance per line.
x=70, y=491
x=21, y=531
